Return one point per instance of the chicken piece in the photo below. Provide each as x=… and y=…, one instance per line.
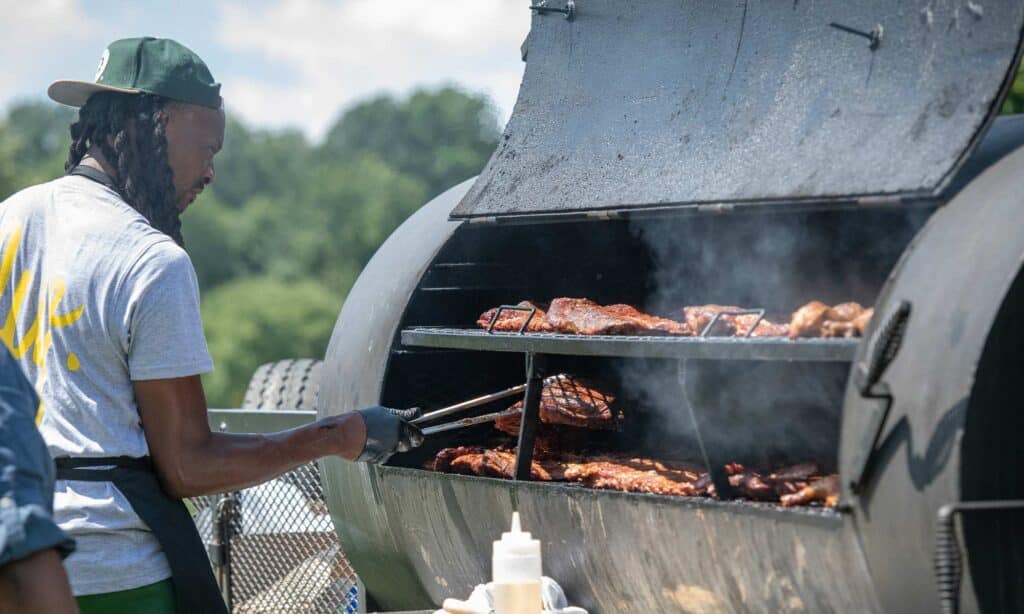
x=808, y=320
x=824, y=490
x=845, y=312
x=510, y=321
x=860, y=323
x=569, y=401
x=581, y=316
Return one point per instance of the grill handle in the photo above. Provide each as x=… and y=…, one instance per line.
x=948, y=555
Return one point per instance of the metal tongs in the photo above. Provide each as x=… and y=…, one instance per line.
x=473, y=420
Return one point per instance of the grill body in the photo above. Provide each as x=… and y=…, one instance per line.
x=671, y=210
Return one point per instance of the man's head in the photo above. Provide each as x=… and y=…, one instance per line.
x=154, y=114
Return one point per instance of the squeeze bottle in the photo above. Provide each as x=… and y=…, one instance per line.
x=516, y=571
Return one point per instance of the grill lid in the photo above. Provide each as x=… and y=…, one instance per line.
x=640, y=105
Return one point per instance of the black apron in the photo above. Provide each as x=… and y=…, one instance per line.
x=195, y=589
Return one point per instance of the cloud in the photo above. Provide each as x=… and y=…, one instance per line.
x=31, y=34
x=328, y=54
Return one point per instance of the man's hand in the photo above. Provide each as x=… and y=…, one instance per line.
x=388, y=431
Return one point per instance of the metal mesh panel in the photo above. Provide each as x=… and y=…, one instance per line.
x=282, y=554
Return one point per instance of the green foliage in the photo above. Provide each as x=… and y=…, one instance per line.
x=1015, y=99
x=254, y=320
x=280, y=237
x=441, y=137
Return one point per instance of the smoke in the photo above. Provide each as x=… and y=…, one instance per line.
x=762, y=413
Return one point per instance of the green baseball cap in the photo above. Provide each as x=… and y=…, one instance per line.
x=148, y=65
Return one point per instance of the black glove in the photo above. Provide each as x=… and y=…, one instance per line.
x=388, y=431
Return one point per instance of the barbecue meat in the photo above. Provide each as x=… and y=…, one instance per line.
x=860, y=323
x=825, y=490
x=492, y=463
x=569, y=401
x=510, y=321
x=635, y=475
x=581, y=316
x=846, y=312
x=808, y=320
x=698, y=317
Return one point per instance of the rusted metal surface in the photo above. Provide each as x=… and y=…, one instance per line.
x=640, y=105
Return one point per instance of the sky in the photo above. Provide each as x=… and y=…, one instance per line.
x=283, y=63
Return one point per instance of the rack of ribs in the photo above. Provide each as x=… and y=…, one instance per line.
x=636, y=475
x=699, y=316
x=511, y=321
x=569, y=401
x=495, y=463
x=582, y=316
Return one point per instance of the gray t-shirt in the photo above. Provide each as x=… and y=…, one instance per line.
x=93, y=298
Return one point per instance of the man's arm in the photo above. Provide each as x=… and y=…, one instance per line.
x=191, y=460
x=36, y=584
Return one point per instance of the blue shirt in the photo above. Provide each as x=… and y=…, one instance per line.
x=26, y=472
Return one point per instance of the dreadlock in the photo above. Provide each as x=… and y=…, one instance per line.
x=129, y=131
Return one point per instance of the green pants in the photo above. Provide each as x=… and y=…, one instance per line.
x=152, y=599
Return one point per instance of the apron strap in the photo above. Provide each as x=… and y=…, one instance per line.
x=95, y=174
x=195, y=588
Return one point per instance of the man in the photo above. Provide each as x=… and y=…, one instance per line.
x=102, y=310
x=32, y=578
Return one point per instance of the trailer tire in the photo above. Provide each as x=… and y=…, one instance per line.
x=293, y=383
x=289, y=384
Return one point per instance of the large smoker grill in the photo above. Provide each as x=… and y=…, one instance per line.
x=666, y=153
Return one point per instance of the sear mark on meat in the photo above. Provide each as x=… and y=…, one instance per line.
x=582, y=316
x=569, y=401
x=510, y=321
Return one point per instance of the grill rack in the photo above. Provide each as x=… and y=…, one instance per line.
x=702, y=348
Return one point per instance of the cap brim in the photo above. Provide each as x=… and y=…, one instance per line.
x=75, y=93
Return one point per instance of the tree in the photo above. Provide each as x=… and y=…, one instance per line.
x=440, y=137
x=1015, y=99
x=256, y=320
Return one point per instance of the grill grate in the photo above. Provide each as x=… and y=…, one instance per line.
x=707, y=348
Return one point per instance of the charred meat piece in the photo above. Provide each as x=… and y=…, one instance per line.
x=569, y=401
x=824, y=490
x=581, y=316
x=510, y=321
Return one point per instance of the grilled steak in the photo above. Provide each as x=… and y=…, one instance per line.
x=568, y=401
x=581, y=316
x=510, y=321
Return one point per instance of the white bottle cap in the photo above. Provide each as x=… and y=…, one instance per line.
x=516, y=556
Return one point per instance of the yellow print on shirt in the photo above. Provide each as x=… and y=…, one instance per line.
x=38, y=338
